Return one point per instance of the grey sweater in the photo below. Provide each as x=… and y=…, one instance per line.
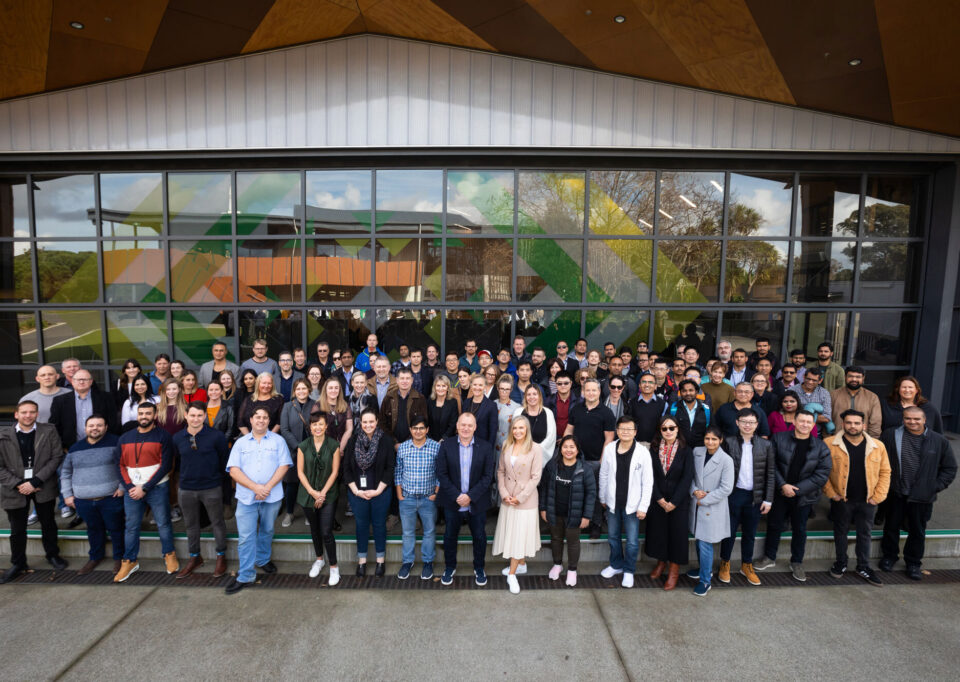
x=91, y=471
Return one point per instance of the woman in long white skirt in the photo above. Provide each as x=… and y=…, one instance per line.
x=518, y=525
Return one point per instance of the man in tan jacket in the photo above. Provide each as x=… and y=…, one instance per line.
x=853, y=396
x=858, y=482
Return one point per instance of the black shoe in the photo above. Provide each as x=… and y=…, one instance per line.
x=58, y=563
x=235, y=586
x=12, y=573
x=381, y=569
x=913, y=572
x=595, y=532
x=361, y=570
x=886, y=565
x=269, y=568
x=337, y=527
x=75, y=521
x=867, y=574
x=837, y=570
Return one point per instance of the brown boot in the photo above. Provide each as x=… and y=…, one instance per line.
x=220, y=569
x=658, y=571
x=192, y=565
x=746, y=570
x=723, y=575
x=672, y=576
x=89, y=566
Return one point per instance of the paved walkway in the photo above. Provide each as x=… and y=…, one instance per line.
x=78, y=632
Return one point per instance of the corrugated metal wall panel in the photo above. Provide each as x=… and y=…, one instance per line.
x=376, y=91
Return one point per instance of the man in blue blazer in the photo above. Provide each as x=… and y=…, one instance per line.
x=465, y=467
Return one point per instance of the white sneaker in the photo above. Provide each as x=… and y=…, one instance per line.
x=571, y=578
x=66, y=513
x=316, y=568
x=521, y=570
x=610, y=571
x=513, y=584
x=554, y=573
x=628, y=580
x=287, y=520
x=334, y=576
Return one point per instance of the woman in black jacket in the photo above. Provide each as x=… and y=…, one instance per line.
x=368, y=465
x=443, y=409
x=568, y=493
x=668, y=516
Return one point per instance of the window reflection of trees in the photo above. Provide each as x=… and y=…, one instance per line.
x=691, y=203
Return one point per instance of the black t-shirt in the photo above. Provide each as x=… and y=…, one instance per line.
x=564, y=478
x=623, y=477
x=588, y=427
x=800, y=447
x=538, y=427
x=857, y=480
x=647, y=416
x=402, y=429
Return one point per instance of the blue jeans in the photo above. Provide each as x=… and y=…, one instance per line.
x=371, y=511
x=412, y=506
x=742, y=511
x=705, y=553
x=102, y=516
x=158, y=498
x=255, y=536
x=617, y=522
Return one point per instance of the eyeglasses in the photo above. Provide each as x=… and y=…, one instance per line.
x=82, y=379
x=667, y=429
x=193, y=442
x=626, y=427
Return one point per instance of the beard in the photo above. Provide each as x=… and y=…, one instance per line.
x=853, y=385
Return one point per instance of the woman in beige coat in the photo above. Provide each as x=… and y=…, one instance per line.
x=518, y=526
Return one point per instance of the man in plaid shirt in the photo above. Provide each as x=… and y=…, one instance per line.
x=415, y=476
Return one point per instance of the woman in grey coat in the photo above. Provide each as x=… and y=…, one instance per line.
x=709, y=515
x=295, y=428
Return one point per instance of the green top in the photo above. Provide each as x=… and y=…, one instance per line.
x=317, y=467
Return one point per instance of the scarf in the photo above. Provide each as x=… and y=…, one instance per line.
x=356, y=403
x=667, y=453
x=365, y=451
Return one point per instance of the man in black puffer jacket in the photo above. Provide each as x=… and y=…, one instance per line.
x=803, y=466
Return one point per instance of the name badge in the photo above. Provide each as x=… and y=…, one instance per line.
x=363, y=481
x=28, y=473
x=135, y=477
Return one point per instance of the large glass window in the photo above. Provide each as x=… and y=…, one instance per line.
x=65, y=206
x=338, y=270
x=480, y=202
x=479, y=269
x=884, y=338
x=269, y=270
x=550, y=270
x=809, y=330
x=339, y=328
x=267, y=203
x=20, y=338
x=889, y=272
x=338, y=201
x=201, y=271
x=544, y=328
x=691, y=203
x=760, y=204
x=621, y=327
x=282, y=328
x=742, y=328
x=67, y=272
x=199, y=203
x=72, y=334
x=891, y=207
x=620, y=270
x=195, y=332
x=14, y=220
x=490, y=329
x=16, y=272
x=133, y=272
x=756, y=271
x=131, y=204
x=622, y=202
x=829, y=206
x=415, y=328
x=410, y=201
x=136, y=334
x=674, y=328
x=550, y=203
x=823, y=272
x=688, y=271
x=408, y=269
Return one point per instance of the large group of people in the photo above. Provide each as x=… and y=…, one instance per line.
x=700, y=444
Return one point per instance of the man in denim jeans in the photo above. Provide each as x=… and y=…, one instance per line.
x=257, y=463
x=416, y=480
x=146, y=458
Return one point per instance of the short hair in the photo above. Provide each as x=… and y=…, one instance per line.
x=28, y=402
x=797, y=351
x=737, y=350
x=761, y=339
x=765, y=359
x=825, y=344
x=381, y=358
x=626, y=419
x=260, y=342
x=661, y=361
x=591, y=380
x=564, y=374
x=159, y=356
x=417, y=349
x=853, y=369
x=405, y=370
x=720, y=364
x=805, y=413
x=852, y=413
x=418, y=420
x=147, y=406
x=197, y=405
x=747, y=412
x=609, y=343
x=814, y=372
x=524, y=362
x=218, y=343
x=95, y=415
x=451, y=352
x=693, y=368
x=624, y=349
x=744, y=383
x=260, y=409
x=687, y=382
x=284, y=352
x=505, y=378
x=298, y=349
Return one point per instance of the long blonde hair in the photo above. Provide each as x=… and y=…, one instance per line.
x=511, y=443
x=451, y=394
x=163, y=403
x=256, y=385
x=341, y=405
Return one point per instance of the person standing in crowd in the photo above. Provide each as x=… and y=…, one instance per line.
x=346, y=371
x=616, y=371
x=788, y=406
x=678, y=372
x=668, y=519
x=142, y=393
x=568, y=494
x=739, y=369
x=615, y=400
x=554, y=369
x=191, y=391
x=318, y=465
x=859, y=481
x=381, y=382
x=490, y=376
x=219, y=410
x=30, y=453
x=519, y=353
x=176, y=369
x=90, y=482
x=68, y=368
x=146, y=458
x=543, y=426
x=765, y=368
x=647, y=409
x=228, y=382
x=337, y=411
x=831, y=372
x=400, y=406
x=300, y=360
x=815, y=398
x=538, y=363
x=713, y=479
x=580, y=352
x=803, y=467
x=469, y=359
x=726, y=417
x=524, y=375
x=724, y=351
x=443, y=409
x=415, y=477
x=787, y=380
x=906, y=393
x=161, y=371
x=763, y=353
x=295, y=428
x=517, y=535
x=245, y=392
x=853, y=396
x=921, y=466
x=260, y=363
x=368, y=470
x=422, y=375
x=69, y=411
x=763, y=397
x=569, y=363
x=720, y=392
x=212, y=369
x=172, y=418
x=506, y=410
x=465, y=469
x=691, y=414
x=258, y=462
x=47, y=379
x=288, y=375
x=754, y=474
x=404, y=361
x=594, y=426
x=326, y=362
x=798, y=360
x=361, y=399
x=264, y=395
x=203, y=453
x=123, y=391
x=483, y=409
x=624, y=489
x=314, y=376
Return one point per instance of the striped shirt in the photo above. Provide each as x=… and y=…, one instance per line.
x=416, y=470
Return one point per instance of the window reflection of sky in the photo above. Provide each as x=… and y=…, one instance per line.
x=342, y=190
x=61, y=206
x=771, y=198
x=410, y=190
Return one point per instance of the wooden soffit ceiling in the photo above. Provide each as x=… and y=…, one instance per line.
x=787, y=52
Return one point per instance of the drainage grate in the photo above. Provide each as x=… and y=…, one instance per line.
x=461, y=582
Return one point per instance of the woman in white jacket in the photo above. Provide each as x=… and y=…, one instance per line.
x=713, y=480
x=543, y=426
x=627, y=504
